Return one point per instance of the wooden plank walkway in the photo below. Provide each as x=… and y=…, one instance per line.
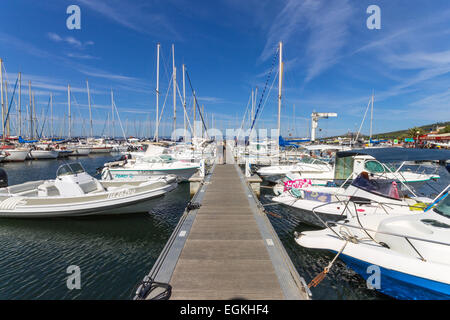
x=225, y=255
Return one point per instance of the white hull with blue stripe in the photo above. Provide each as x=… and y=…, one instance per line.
x=412, y=252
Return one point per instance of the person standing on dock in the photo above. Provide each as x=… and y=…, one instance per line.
x=220, y=153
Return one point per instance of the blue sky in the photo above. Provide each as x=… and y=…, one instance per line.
x=333, y=62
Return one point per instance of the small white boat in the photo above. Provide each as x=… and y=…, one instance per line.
x=149, y=167
x=75, y=193
x=308, y=168
x=44, y=154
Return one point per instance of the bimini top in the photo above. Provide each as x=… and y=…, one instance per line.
x=398, y=154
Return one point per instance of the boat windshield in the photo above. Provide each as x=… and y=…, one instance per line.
x=383, y=187
x=69, y=169
x=158, y=159
x=443, y=207
x=310, y=160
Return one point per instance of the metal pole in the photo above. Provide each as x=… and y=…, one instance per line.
x=20, y=103
x=68, y=101
x=157, y=94
x=112, y=114
x=3, y=107
x=184, y=104
x=280, y=79
x=30, y=133
x=174, y=91
x=51, y=115
x=90, y=111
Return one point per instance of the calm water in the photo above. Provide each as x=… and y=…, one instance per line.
x=115, y=253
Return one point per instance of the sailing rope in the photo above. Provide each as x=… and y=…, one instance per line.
x=264, y=91
x=318, y=279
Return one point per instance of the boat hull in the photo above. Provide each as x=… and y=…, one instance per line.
x=16, y=155
x=401, y=285
x=100, y=149
x=43, y=154
x=122, y=202
x=183, y=174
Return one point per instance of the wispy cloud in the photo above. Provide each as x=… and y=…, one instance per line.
x=141, y=17
x=82, y=56
x=70, y=40
x=325, y=23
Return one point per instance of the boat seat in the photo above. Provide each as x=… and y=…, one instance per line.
x=48, y=189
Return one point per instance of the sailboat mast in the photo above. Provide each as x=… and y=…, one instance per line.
x=6, y=109
x=51, y=115
x=157, y=94
x=30, y=111
x=68, y=101
x=3, y=107
x=184, y=104
x=20, y=103
x=90, y=111
x=174, y=91
x=112, y=114
x=371, y=118
x=33, y=115
x=253, y=107
x=195, y=106
x=280, y=79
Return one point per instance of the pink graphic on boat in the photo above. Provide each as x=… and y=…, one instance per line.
x=297, y=184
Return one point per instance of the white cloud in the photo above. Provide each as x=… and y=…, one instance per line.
x=70, y=40
x=325, y=23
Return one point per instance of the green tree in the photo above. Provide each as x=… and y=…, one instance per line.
x=414, y=132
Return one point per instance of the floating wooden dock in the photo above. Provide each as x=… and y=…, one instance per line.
x=226, y=248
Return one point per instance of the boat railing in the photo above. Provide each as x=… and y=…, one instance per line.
x=383, y=205
x=330, y=224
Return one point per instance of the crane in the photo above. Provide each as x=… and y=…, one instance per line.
x=315, y=116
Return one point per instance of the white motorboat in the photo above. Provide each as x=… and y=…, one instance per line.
x=306, y=168
x=75, y=193
x=364, y=197
x=345, y=168
x=149, y=167
x=403, y=256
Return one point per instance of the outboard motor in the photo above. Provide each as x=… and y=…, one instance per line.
x=3, y=178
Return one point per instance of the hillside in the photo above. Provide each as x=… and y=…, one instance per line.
x=404, y=133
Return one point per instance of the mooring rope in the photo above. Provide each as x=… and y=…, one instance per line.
x=318, y=279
